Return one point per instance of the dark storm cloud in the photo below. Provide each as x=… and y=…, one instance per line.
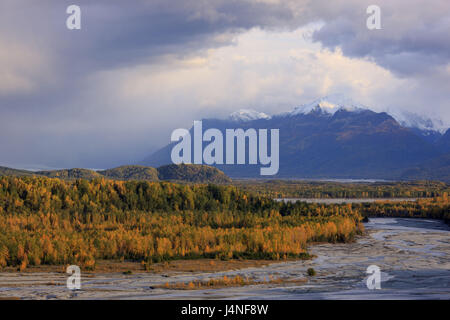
x=413, y=39
x=45, y=117
x=49, y=112
x=117, y=34
x=120, y=32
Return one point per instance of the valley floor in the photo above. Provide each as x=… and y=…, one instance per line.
x=413, y=255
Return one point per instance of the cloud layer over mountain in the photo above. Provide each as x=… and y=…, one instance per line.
x=111, y=92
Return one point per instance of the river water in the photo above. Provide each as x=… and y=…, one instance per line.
x=344, y=200
x=412, y=254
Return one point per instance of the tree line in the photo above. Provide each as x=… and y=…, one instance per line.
x=434, y=208
x=52, y=221
x=319, y=189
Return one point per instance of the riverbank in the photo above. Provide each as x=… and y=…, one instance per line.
x=413, y=255
x=168, y=267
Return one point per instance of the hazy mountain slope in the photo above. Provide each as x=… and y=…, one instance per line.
x=437, y=168
x=344, y=143
x=188, y=173
x=131, y=172
x=434, y=169
x=444, y=142
x=4, y=171
x=75, y=173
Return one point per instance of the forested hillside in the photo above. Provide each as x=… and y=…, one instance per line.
x=53, y=221
x=69, y=174
x=330, y=189
x=192, y=173
x=180, y=173
x=131, y=173
x=5, y=171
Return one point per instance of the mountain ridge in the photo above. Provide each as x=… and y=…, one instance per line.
x=182, y=173
x=326, y=139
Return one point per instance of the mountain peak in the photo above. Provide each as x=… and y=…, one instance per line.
x=248, y=115
x=329, y=105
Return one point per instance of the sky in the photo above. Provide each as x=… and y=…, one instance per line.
x=112, y=92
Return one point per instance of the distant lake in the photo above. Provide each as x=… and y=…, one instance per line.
x=343, y=200
x=339, y=180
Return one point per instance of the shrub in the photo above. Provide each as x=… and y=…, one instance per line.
x=311, y=272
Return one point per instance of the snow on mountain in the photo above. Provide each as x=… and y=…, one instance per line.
x=329, y=105
x=248, y=115
x=413, y=120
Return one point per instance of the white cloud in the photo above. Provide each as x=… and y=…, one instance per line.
x=23, y=68
x=268, y=71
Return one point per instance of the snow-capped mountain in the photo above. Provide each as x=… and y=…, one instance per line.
x=328, y=105
x=248, y=115
x=412, y=120
x=316, y=140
